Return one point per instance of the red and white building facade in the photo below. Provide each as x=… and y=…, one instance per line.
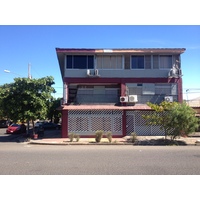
x=108, y=89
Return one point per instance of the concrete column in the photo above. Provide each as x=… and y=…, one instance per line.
x=64, y=131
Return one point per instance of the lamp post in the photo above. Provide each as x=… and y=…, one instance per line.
x=8, y=71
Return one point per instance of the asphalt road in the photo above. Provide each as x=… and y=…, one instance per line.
x=26, y=159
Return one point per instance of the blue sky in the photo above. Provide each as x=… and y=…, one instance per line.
x=35, y=44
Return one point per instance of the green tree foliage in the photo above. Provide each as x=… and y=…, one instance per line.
x=53, y=113
x=174, y=118
x=26, y=99
x=160, y=116
x=183, y=120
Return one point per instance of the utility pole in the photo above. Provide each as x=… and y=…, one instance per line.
x=29, y=71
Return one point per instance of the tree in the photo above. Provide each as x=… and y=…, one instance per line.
x=26, y=99
x=4, y=89
x=174, y=118
x=160, y=116
x=53, y=114
x=183, y=120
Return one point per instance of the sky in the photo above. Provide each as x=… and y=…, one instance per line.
x=21, y=45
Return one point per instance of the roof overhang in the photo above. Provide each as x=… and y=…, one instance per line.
x=122, y=50
x=104, y=107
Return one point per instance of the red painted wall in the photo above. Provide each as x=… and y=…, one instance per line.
x=64, y=130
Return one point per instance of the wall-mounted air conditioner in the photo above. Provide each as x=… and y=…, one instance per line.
x=88, y=72
x=169, y=98
x=96, y=72
x=132, y=98
x=124, y=99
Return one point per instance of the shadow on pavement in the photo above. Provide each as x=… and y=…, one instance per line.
x=160, y=142
x=10, y=137
x=4, y=137
x=52, y=134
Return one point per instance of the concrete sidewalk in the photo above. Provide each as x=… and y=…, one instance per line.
x=141, y=140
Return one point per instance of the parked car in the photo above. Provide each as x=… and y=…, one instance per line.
x=50, y=125
x=16, y=129
x=4, y=123
x=39, y=123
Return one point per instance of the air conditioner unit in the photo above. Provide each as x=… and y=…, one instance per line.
x=124, y=99
x=132, y=98
x=169, y=98
x=96, y=72
x=88, y=72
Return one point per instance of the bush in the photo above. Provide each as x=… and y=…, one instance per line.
x=98, y=135
x=109, y=136
x=71, y=137
x=77, y=137
x=133, y=137
x=183, y=121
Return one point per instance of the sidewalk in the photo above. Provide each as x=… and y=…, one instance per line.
x=141, y=140
x=53, y=137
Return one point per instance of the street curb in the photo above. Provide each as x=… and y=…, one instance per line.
x=78, y=143
x=103, y=143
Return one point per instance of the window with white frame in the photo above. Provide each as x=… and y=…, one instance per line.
x=109, y=62
x=80, y=62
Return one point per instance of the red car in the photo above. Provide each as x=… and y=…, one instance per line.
x=16, y=128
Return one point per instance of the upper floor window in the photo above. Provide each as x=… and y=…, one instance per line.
x=165, y=61
x=152, y=61
x=109, y=62
x=137, y=62
x=80, y=62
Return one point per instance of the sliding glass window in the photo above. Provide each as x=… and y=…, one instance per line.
x=79, y=62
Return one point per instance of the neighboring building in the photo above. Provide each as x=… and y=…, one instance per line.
x=107, y=89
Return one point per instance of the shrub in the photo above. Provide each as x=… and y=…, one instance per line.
x=77, y=137
x=98, y=135
x=71, y=137
x=109, y=136
x=133, y=137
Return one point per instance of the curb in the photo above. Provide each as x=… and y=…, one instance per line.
x=197, y=143
x=78, y=143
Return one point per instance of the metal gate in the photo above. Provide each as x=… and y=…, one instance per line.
x=87, y=122
x=136, y=123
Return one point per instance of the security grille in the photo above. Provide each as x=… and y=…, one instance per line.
x=136, y=123
x=88, y=122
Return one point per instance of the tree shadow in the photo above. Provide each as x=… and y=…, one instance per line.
x=160, y=142
x=10, y=137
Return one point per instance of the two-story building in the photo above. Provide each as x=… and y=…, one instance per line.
x=107, y=89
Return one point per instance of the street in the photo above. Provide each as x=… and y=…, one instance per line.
x=26, y=159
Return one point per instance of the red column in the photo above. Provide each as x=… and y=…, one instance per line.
x=64, y=132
